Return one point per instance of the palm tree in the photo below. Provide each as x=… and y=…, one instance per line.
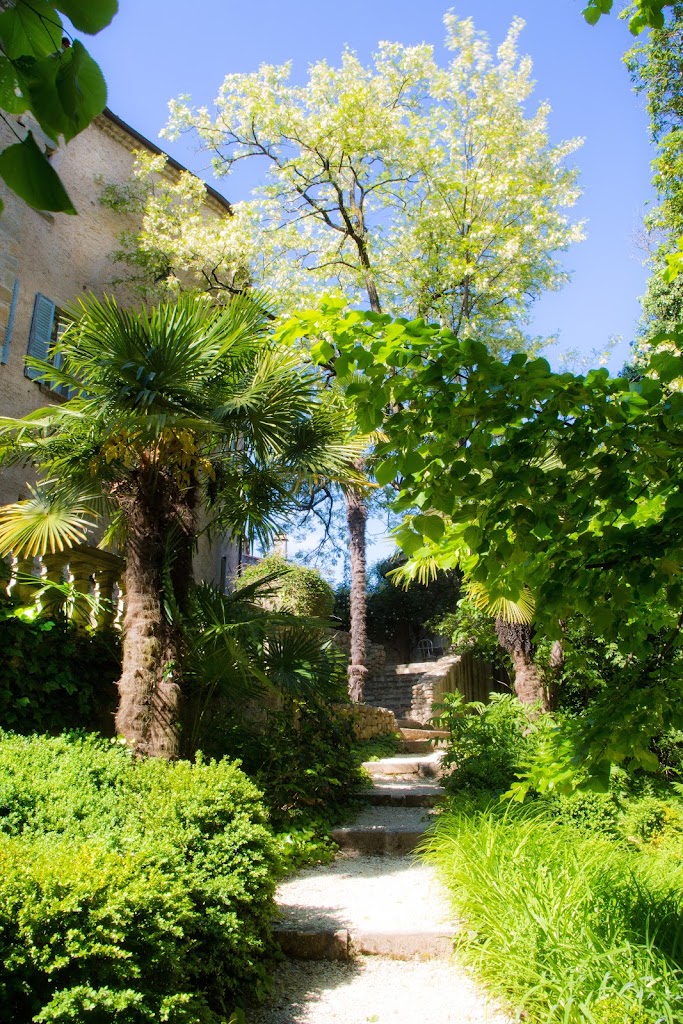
x=180, y=413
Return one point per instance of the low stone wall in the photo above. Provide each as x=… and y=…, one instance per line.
x=368, y=721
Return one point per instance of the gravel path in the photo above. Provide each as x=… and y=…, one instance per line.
x=398, y=903
x=383, y=893
x=373, y=990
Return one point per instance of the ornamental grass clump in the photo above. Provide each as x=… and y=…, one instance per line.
x=129, y=891
x=566, y=927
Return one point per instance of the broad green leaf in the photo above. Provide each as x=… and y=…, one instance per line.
x=28, y=172
x=321, y=352
x=473, y=536
x=9, y=84
x=409, y=541
x=81, y=88
x=30, y=29
x=430, y=526
x=65, y=91
x=385, y=472
x=646, y=759
x=89, y=16
x=410, y=463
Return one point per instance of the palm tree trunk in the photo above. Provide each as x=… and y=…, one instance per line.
x=356, y=517
x=148, y=715
x=515, y=638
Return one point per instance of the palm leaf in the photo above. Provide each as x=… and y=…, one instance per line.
x=518, y=609
x=50, y=520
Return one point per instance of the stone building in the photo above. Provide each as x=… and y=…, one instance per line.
x=47, y=260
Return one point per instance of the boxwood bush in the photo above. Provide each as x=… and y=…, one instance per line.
x=129, y=891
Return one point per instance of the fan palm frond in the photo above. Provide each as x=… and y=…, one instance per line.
x=52, y=519
x=519, y=609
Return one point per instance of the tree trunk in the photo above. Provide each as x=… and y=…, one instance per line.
x=148, y=716
x=515, y=638
x=356, y=516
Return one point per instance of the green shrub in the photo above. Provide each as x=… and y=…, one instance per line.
x=565, y=926
x=55, y=676
x=297, y=589
x=128, y=891
x=488, y=742
x=301, y=757
x=377, y=748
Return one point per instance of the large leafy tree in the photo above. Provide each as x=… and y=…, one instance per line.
x=566, y=492
x=47, y=74
x=177, y=412
x=411, y=187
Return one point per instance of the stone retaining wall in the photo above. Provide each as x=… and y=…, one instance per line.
x=369, y=722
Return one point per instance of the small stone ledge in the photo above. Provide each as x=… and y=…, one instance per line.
x=368, y=721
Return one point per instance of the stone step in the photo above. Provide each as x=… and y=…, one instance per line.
x=423, y=733
x=417, y=746
x=344, y=944
x=388, y=831
x=401, y=795
x=406, y=766
x=355, y=906
x=376, y=841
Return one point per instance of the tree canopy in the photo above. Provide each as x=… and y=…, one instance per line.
x=420, y=188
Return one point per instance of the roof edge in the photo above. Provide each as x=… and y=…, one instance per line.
x=139, y=137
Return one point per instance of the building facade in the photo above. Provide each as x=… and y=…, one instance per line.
x=49, y=260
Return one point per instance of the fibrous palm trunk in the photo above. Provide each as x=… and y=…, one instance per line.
x=356, y=517
x=515, y=638
x=148, y=716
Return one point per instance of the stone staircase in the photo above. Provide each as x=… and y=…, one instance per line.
x=375, y=899
x=392, y=688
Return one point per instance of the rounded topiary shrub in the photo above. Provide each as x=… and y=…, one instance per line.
x=297, y=589
x=129, y=891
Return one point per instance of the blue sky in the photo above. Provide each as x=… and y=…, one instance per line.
x=154, y=51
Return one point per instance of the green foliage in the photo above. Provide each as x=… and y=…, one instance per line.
x=488, y=743
x=399, y=615
x=656, y=67
x=643, y=13
x=129, y=891
x=471, y=631
x=300, y=753
x=377, y=748
x=565, y=925
x=55, y=676
x=61, y=85
x=240, y=652
x=294, y=588
x=567, y=490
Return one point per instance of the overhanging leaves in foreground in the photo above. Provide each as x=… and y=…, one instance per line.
x=60, y=84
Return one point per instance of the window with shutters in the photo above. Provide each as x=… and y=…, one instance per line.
x=47, y=326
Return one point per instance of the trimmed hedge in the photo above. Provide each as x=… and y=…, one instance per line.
x=129, y=891
x=55, y=676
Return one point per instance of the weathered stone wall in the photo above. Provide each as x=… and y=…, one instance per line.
x=369, y=722
x=64, y=258
x=411, y=690
x=473, y=678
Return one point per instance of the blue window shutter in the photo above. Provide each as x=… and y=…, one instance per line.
x=41, y=331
